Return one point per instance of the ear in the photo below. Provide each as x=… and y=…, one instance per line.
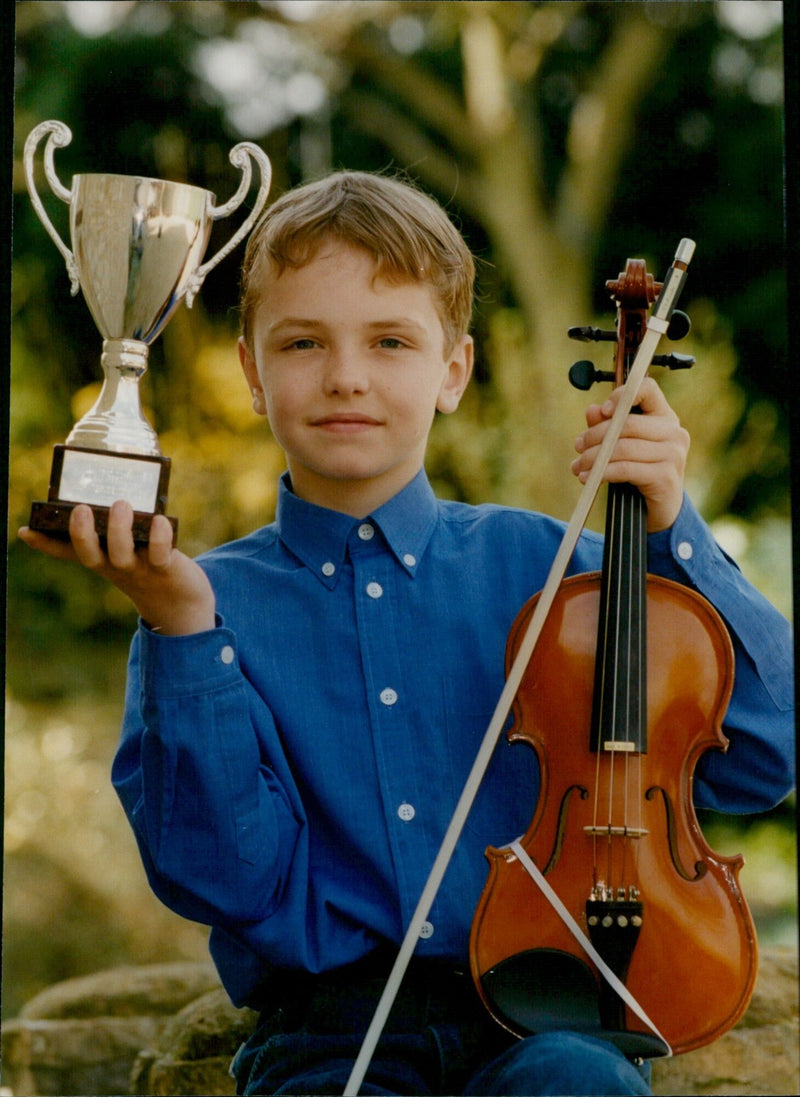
x=459, y=371
x=250, y=370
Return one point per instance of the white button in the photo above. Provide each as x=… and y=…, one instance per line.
x=426, y=929
x=328, y=568
x=406, y=812
x=388, y=696
x=409, y=559
x=366, y=532
x=685, y=550
x=374, y=590
x=227, y=654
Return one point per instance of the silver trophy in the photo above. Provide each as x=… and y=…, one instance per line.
x=137, y=250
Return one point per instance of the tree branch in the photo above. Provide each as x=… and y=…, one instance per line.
x=422, y=94
x=601, y=127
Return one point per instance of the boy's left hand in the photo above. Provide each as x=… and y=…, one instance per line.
x=651, y=452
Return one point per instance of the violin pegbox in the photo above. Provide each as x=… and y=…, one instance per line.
x=635, y=290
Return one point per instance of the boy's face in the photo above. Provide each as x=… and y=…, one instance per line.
x=350, y=369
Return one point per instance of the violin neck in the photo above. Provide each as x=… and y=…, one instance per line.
x=619, y=716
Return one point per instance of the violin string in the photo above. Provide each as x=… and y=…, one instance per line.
x=626, y=608
x=624, y=670
x=629, y=656
x=635, y=624
x=641, y=693
x=633, y=669
x=601, y=680
x=639, y=668
x=610, y=731
x=618, y=711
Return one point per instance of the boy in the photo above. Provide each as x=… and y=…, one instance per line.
x=304, y=704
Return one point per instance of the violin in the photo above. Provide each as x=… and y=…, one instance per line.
x=612, y=909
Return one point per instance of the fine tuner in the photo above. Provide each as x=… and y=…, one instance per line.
x=584, y=374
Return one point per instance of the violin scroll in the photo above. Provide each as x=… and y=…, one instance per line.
x=634, y=291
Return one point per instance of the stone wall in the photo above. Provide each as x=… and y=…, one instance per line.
x=83, y=1036
x=761, y=1055
x=170, y=1030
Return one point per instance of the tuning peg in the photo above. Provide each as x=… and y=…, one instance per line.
x=674, y=361
x=592, y=335
x=679, y=326
x=582, y=375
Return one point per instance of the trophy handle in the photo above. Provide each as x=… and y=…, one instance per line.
x=59, y=135
x=240, y=156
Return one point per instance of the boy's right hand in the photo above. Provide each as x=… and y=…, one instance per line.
x=170, y=591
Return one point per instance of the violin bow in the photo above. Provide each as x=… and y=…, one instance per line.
x=657, y=324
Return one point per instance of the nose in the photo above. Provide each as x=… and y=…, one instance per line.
x=345, y=373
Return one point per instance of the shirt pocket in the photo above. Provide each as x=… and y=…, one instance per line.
x=506, y=798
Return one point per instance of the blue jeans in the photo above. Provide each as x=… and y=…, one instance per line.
x=439, y=1040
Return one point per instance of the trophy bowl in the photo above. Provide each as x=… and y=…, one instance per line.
x=137, y=251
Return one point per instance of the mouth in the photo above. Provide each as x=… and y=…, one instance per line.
x=345, y=422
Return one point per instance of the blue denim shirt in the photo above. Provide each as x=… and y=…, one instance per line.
x=290, y=775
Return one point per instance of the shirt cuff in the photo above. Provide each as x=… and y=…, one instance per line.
x=175, y=666
x=687, y=550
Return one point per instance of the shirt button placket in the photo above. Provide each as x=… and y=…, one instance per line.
x=376, y=605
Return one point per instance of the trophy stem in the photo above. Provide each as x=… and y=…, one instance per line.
x=116, y=422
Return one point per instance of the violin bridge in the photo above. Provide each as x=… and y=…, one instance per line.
x=617, y=832
x=625, y=746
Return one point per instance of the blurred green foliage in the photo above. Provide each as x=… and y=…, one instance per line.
x=691, y=144
x=562, y=137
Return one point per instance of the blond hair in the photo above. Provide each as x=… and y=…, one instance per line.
x=408, y=234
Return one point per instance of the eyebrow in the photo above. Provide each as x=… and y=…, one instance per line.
x=395, y=322
x=294, y=322
x=290, y=322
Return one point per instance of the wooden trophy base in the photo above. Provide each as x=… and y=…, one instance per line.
x=98, y=478
x=53, y=520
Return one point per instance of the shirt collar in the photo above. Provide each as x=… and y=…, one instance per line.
x=318, y=536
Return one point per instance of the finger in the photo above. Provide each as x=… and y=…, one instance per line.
x=119, y=536
x=638, y=448
x=651, y=399
x=84, y=537
x=649, y=393
x=159, y=549
x=594, y=415
x=659, y=423
x=50, y=546
x=597, y=419
x=621, y=469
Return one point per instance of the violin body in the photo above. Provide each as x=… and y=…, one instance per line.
x=694, y=965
